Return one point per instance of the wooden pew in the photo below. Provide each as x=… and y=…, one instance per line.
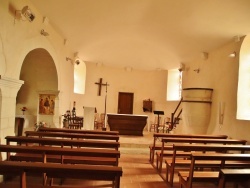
x=72, y=135
x=187, y=178
x=53, y=170
x=158, y=136
x=161, y=154
x=174, y=162
x=62, y=142
x=61, y=155
x=46, y=129
x=237, y=176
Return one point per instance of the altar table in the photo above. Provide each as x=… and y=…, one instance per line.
x=127, y=124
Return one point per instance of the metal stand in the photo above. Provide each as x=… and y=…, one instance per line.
x=158, y=122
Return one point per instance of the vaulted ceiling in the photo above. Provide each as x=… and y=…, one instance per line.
x=146, y=34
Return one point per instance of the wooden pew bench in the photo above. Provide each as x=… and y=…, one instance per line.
x=61, y=155
x=158, y=136
x=52, y=170
x=160, y=155
x=47, y=129
x=187, y=178
x=175, y=162
x=72, y=135
x=62, y=142
x=237, y=176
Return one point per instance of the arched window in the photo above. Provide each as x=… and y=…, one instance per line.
x=79, y=76
x=243, y=93
x=174, y=85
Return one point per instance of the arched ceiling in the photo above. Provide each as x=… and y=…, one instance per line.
x=146, y=34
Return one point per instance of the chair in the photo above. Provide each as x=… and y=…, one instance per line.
x=154, y=124
x=164, y=126
x=99, y=124
x=19, y=124
x=75, y=122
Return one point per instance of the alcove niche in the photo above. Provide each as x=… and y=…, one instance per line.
x=39, y=74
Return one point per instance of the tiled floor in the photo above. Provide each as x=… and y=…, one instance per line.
x=137, y=171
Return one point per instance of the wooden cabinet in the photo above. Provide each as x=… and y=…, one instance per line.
x=147, y=105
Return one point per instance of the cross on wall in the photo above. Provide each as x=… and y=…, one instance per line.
x=100, y=84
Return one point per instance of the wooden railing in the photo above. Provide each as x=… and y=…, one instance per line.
x=175, y=119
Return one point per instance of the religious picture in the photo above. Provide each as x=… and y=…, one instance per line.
x=46, y=104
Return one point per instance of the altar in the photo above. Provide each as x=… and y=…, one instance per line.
x=127, y=124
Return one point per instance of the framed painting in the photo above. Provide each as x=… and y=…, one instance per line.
x=46, y=104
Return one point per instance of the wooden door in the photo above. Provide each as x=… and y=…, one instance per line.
x=125, y=103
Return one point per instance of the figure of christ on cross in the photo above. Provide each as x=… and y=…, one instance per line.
x=100, y=84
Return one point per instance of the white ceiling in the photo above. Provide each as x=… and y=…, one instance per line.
x=146, y=34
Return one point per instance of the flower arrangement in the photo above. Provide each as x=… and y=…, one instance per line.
x=24, y=109
x=39, y=124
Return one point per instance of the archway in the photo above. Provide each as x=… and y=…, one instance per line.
x=39, y=74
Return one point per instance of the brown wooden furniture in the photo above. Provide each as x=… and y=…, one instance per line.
x=237, y=176
x=158, y=136
x=154, y=125
x=175, y=161
x=45, y=129
x=75, y=122
x=19, y=124
x=52, y=170
x=160, y=155
x=147, y=106
x=61, y=155
x=72, y=135
x=62, y=142
x=127, y=124
x=187, y=178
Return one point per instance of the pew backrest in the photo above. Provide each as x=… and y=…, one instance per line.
x=233, y=175
x=52, y=170
x=195, y=141
x=62, y=142
x=62, y=153
x=159, y=136
x=72, y=135
x=189, y=148
x=222, y=157
x=48, y=129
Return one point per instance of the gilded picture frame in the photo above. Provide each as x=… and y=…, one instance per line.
x=46, y=104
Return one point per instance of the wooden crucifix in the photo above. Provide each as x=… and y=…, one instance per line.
x=100, y=84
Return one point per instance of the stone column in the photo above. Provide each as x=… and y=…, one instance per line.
x=8, y=92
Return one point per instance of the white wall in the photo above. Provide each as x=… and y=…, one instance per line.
x=220, y=73
x=19, y=37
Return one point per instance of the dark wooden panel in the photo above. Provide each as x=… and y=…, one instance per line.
x=127, y=124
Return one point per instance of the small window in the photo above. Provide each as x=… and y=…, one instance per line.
x=79, y=76
x=174, y=85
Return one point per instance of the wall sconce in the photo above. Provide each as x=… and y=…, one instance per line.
x=204, y=55
x=232, y=55
x=182, y=67
x=28, y=14
x=44, y=33
x=75, y=61
x=197, y=70
x=25, y=13
x=68, y=59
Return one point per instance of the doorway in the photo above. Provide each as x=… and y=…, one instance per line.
x=125, y=103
